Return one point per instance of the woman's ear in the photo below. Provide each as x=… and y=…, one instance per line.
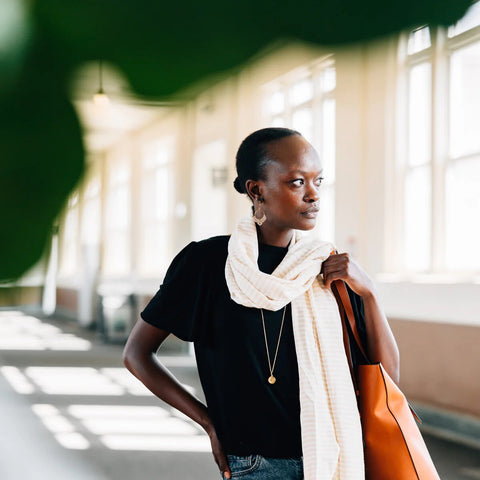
x=253, y=189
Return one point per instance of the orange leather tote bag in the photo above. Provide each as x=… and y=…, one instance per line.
x=393, y=445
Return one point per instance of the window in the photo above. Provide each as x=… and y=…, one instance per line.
x=418, y=40
x=209, y=190
x=91, y=212
x=441, y=161
x=69, y=258
x=116, y=251
x=304, y=100
x=469, y=21
x=157, y=193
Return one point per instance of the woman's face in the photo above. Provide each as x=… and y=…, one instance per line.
x=291, y=190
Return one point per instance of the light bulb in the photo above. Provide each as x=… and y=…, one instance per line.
x=100, y=99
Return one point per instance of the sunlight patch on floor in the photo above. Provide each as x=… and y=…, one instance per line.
x=25, y=332
x=72, y=381
x=17, y=380
x=122, y=427
x=76, y=381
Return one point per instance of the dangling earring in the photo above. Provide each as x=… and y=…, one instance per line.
x=259, y=213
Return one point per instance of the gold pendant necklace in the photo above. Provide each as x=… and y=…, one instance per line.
x=271, y=378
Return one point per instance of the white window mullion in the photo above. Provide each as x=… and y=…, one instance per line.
x=394, y=253
x=439, y=147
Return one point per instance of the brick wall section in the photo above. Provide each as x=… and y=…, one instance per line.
x=67, y=299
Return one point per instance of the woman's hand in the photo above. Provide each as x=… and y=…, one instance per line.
x=218, y=453
x=381, y=345
x=342, y=266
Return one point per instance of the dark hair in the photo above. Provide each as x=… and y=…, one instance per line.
x=252, y=155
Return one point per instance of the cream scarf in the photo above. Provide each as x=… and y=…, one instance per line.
x=330, y=423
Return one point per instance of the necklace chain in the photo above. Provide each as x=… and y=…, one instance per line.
x=271, y=366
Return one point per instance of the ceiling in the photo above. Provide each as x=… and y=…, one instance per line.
x=105, y=123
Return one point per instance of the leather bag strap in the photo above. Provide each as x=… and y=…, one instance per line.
x=345, y=307
x=348, y=309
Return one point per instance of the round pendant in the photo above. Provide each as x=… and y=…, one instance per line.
x=272, y=379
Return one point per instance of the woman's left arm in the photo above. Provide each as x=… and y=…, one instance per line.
x=382, y=346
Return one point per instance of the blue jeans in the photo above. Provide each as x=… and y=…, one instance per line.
x=256, y=467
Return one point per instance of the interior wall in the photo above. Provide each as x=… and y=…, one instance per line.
x=20, y=295
x=67, y=301
x=439, y=364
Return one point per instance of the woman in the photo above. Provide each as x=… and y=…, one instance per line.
x=268, y=347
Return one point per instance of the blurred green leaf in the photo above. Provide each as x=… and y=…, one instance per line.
x=41, y=159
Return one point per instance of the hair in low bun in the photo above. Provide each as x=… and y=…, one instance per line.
x=238, y=185
x=252, y=155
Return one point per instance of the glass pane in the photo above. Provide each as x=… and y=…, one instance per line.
x=419, y=115
x=417, y=218
x=69, y=258
x=462, y=202
x=274, y=103
x=71, y=224
x=157, y=154
x=119, y=173
x=418, y=40
x=204, y=195
x=148, y=197
x=69, y=249
x=116, y=253
x=278, y=122
x=163, y=188
x=325, y=228
x=328, y=80
x=118, y=209
x=470, y=20
x=301, y=92
x=302, y=121
x=153, y=254
x=93, y=188
x=328, y=140
x=91, y=222
x=465, y=100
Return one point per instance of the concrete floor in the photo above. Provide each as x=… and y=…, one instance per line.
x=70, y=410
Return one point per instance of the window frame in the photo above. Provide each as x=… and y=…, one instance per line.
x=169, y=145
x=438, y=55
x=111, y=187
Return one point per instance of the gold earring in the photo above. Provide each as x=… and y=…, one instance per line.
x=259, y=215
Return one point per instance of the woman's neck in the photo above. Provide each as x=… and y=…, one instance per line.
x=274, y=237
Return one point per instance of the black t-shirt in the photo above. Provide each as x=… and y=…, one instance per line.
x=250, y=415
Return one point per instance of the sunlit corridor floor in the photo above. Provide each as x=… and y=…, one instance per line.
x=70, y=410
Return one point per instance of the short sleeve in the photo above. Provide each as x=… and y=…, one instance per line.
x=181, y=299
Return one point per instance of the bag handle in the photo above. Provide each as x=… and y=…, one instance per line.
x=345, y=306
x=341, y=295
x=345, y=302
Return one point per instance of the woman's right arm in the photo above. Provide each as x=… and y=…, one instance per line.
x=139, y=357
